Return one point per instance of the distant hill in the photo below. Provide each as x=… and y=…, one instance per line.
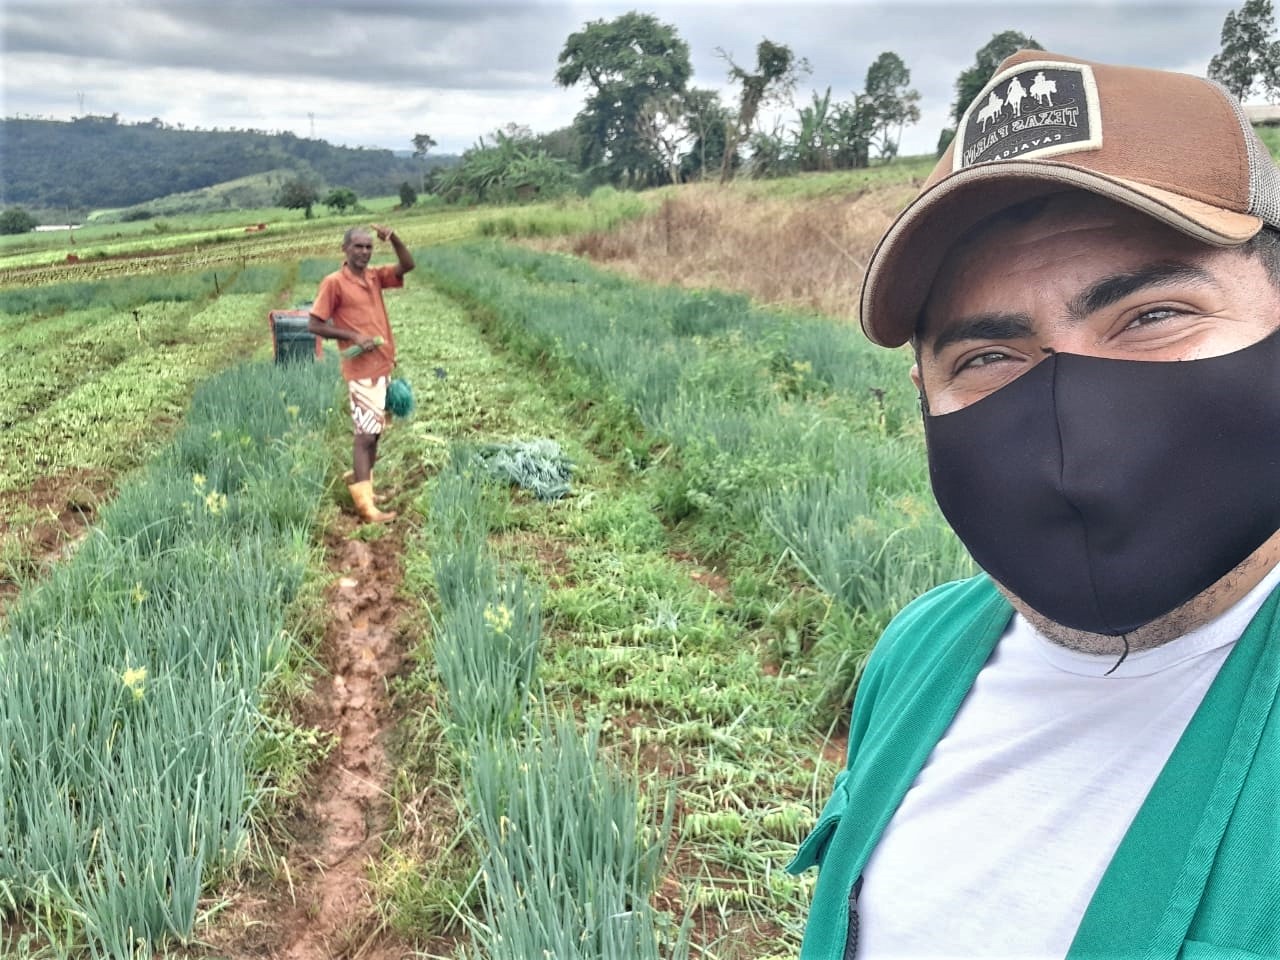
x=92, y=162
x=243, y=193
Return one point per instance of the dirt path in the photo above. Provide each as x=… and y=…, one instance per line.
x=350, y=809
x=335, y=915
x=322, y=907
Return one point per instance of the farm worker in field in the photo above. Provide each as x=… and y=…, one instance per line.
x=349, y=307
x=1077, y=752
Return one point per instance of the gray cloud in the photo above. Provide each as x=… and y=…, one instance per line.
x=492, y=49
x=378, y=71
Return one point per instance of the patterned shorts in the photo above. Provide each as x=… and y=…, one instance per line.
x=368, y=404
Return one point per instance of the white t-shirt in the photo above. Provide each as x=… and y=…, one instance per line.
x=1000, y=842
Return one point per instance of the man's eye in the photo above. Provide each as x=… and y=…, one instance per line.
x=983, y=359
x=1154, y=315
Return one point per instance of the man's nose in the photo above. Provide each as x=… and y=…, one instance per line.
x=1069, y=337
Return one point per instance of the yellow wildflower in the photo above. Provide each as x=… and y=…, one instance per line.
x=199, y=480
x=215, y=502
x=139, y=595
x=499, y=619
x=862, y=527
x=912, y=507
x=135, y=680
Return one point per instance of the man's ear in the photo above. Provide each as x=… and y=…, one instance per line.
x=919, y=384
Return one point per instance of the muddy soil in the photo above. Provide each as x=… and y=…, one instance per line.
x=321, y=906
x=64, y=505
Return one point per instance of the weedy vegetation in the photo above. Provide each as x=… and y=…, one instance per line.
x=567, y=864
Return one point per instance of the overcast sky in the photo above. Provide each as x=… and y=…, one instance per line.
x=375, y=72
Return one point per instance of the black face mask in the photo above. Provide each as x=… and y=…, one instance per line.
x=1105, y=493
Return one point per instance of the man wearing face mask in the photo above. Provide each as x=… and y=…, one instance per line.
x=1077, y=753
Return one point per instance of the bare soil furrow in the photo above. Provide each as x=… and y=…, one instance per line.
x=349, y=809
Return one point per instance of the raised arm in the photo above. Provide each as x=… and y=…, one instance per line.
x=403, y=257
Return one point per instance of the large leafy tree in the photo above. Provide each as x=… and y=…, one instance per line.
x=627, y=64
x=298, y=195
x=891, y=101
x=709, y=120
x=971, y=80
x=16, y=220
x=422, y=142
x=777, y=72
x=339, y=199
x=1249, y=61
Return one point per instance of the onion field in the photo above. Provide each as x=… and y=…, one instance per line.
x=612, y=714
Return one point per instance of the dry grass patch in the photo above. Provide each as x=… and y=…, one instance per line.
x=804, y=253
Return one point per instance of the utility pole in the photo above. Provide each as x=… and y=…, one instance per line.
x=313, y=125
x=80, y=97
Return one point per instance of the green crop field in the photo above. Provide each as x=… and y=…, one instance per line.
x=619, y=708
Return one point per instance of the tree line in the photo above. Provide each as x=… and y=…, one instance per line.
x=93, y=162
x=644, y=123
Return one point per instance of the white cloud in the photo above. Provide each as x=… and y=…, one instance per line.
x=375, y=73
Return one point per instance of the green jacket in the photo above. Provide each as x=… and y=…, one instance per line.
x=1197, y=874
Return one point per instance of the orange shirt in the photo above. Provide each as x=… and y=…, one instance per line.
x=355, y=303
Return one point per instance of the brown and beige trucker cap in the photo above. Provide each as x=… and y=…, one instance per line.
x=1175, y=146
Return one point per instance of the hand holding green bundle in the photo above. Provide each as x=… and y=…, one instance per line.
x=356, y=349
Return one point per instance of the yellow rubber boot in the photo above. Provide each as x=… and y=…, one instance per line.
x=362, y=496
x=350, y=477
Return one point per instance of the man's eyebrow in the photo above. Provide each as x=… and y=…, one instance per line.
x=1115, y=288
x=983, y=326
